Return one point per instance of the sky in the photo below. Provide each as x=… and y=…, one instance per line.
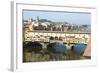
x=59, y=16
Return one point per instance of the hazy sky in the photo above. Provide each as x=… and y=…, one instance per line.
x=70, y=17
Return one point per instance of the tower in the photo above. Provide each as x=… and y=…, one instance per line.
x=37, y=20
x=30, y=26
x=29, y=20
